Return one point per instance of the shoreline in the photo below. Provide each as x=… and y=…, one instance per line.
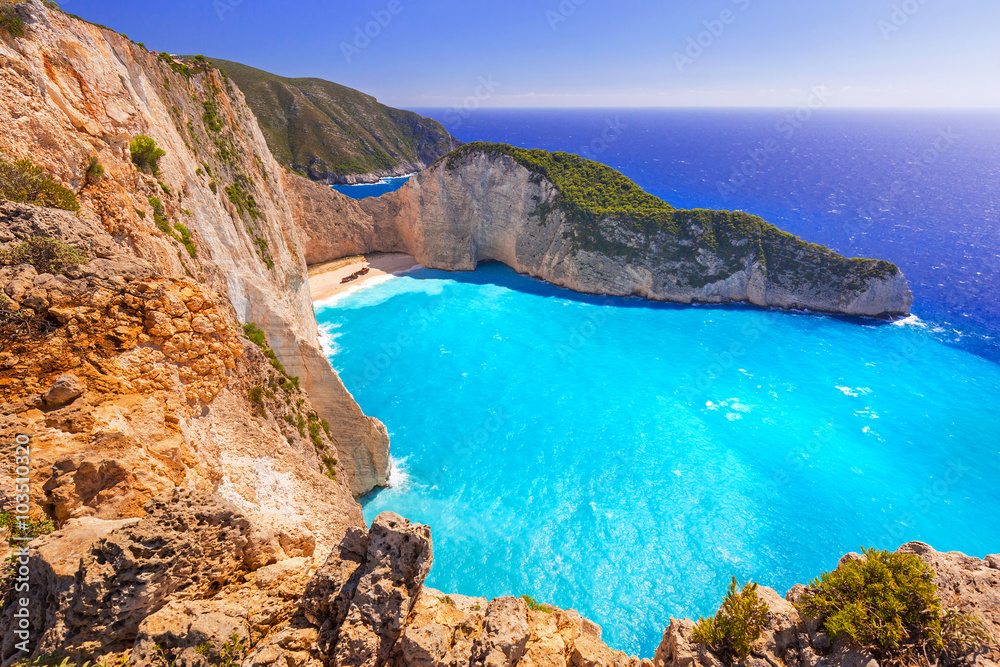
x=325, y=279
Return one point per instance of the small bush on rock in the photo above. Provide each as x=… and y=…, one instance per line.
x=146, y=154
x=535, y=605
x=10, y=22
x=95, y=171
x=23, y=182
x=885, y=603
x=44, y=254
x=736, y=626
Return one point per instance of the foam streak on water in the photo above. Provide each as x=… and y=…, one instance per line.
x=626, y=459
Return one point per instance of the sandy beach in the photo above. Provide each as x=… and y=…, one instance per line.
x=325, y=279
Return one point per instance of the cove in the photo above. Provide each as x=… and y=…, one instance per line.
x=626, y=458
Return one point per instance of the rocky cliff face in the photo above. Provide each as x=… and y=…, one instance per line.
x=71, y=91
x=483, y=205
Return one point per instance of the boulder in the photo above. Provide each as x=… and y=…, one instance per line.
x=505, y=634
x=66, y=389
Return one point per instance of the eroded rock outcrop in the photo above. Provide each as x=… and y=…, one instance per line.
x=194, y=571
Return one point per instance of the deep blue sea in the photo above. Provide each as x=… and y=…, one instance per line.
x=626, y=458
x=919, y=188
x=365, y=190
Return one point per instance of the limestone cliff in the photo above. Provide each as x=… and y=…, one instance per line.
x=72, y=91
x=581, y=225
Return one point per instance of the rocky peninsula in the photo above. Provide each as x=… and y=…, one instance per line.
x=581, y=225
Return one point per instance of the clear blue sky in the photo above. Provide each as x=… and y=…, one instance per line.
x=434, y=53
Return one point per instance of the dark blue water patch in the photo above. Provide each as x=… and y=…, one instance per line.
x=366, y=190
x=919, y=188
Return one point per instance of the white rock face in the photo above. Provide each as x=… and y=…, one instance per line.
x=486, y=208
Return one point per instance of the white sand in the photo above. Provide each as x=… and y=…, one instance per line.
x=325, y=279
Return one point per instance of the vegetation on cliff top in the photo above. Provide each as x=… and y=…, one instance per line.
x=736, y=626
x=887, y=603
x=609, y=213
x=325, y=130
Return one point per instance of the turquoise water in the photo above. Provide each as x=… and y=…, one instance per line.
x=625, y=458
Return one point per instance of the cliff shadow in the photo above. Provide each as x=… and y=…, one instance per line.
x=500, y=275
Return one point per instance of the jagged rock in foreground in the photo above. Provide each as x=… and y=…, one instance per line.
x=71, y=91
x=180, y=583
x=600, y=234
x=197, y=573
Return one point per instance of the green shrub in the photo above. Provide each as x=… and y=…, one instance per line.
x=185, y=235
x=535, y=605
x=21, y=181
x=963, y=635
x=163, y=186
x=243, y=199
x=95, y=171
x=46, y=255
x=211, y=116
x=736, y=626
x=314, y=434
x=31, y=529
x=256, y=396
x=11, y=23
x=146, y=154
x=330, y=464
x=232, y=651
x=885, y=602
x=255, y=334
x=159, y=215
